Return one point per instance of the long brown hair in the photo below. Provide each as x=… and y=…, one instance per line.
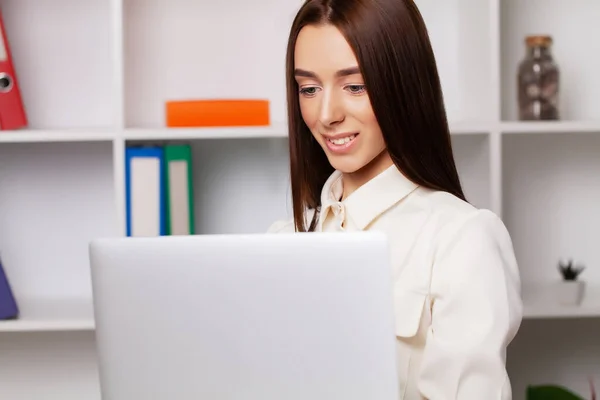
x=392, y=46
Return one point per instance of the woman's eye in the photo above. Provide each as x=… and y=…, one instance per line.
x=356, y=89
x=308, y=91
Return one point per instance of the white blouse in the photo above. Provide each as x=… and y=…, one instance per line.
x=456, y=284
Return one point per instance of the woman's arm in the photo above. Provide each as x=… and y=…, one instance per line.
x=476, y=312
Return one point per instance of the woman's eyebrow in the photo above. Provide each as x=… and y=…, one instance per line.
x=347, y=71
x=340, y=73
x=305, y=73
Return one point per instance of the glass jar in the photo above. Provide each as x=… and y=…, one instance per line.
x=538, y=81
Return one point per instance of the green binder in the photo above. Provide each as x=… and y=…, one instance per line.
x=179, y=188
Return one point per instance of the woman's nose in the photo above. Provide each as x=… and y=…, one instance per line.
x=331, y=112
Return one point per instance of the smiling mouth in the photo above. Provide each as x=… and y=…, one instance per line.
x=343, y=140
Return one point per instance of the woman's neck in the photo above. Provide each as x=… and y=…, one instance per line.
x=352, y=181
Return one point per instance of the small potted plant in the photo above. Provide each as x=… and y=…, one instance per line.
x=557, y=392
x=571, y=289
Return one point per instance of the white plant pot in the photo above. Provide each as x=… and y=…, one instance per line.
x=570, y=293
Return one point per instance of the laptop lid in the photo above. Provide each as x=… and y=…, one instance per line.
x=264, y=316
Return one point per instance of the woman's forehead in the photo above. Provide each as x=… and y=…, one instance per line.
x=323, y=49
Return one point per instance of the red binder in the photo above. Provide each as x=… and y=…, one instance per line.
x=12, y=111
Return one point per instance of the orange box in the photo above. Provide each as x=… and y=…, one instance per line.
x=233, y=112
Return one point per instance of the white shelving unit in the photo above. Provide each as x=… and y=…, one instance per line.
x=95, y=75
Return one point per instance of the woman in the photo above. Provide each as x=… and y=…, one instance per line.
x=370, y=150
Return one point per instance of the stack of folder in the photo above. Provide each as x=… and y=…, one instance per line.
x=159, y=190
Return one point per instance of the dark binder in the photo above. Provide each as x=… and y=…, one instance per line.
x=8, y=305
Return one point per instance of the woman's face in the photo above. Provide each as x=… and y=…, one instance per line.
x=334, y=102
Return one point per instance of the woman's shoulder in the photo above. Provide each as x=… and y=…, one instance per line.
x=473, y=240
x=452, y=220
x=475, y=226
x=452, y=212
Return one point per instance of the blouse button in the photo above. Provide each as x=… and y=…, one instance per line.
x=339, y=212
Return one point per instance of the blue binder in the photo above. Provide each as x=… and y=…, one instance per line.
x=8, y=305
x=145, y=191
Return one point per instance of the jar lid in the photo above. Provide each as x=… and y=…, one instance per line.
x=538, y=40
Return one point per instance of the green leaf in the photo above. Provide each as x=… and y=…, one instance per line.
x=551, y=392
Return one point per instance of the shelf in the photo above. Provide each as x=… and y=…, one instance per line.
x=55, y=198
x=540, y=303
x=76, y=314
x=542, y=311
x=70, y=135
x=51, y=314
x=277, y=130
x=468, y=128
x=544, y=127
x=272, y=131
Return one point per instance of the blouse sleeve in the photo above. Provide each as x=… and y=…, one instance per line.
x=476, y=312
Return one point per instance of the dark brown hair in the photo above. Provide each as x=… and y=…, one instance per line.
x=392, y=46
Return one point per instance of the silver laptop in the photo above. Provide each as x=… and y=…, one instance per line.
x=245, y=317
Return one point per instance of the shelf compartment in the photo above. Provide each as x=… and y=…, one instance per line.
x=177, y=49
x=460, y=34
x=570, y=24
x=63, y=60
x=551, y=196
x=245, y=181
x=55, y=198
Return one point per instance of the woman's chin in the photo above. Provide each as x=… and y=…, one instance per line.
x=360, y=163
x=346, y=164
